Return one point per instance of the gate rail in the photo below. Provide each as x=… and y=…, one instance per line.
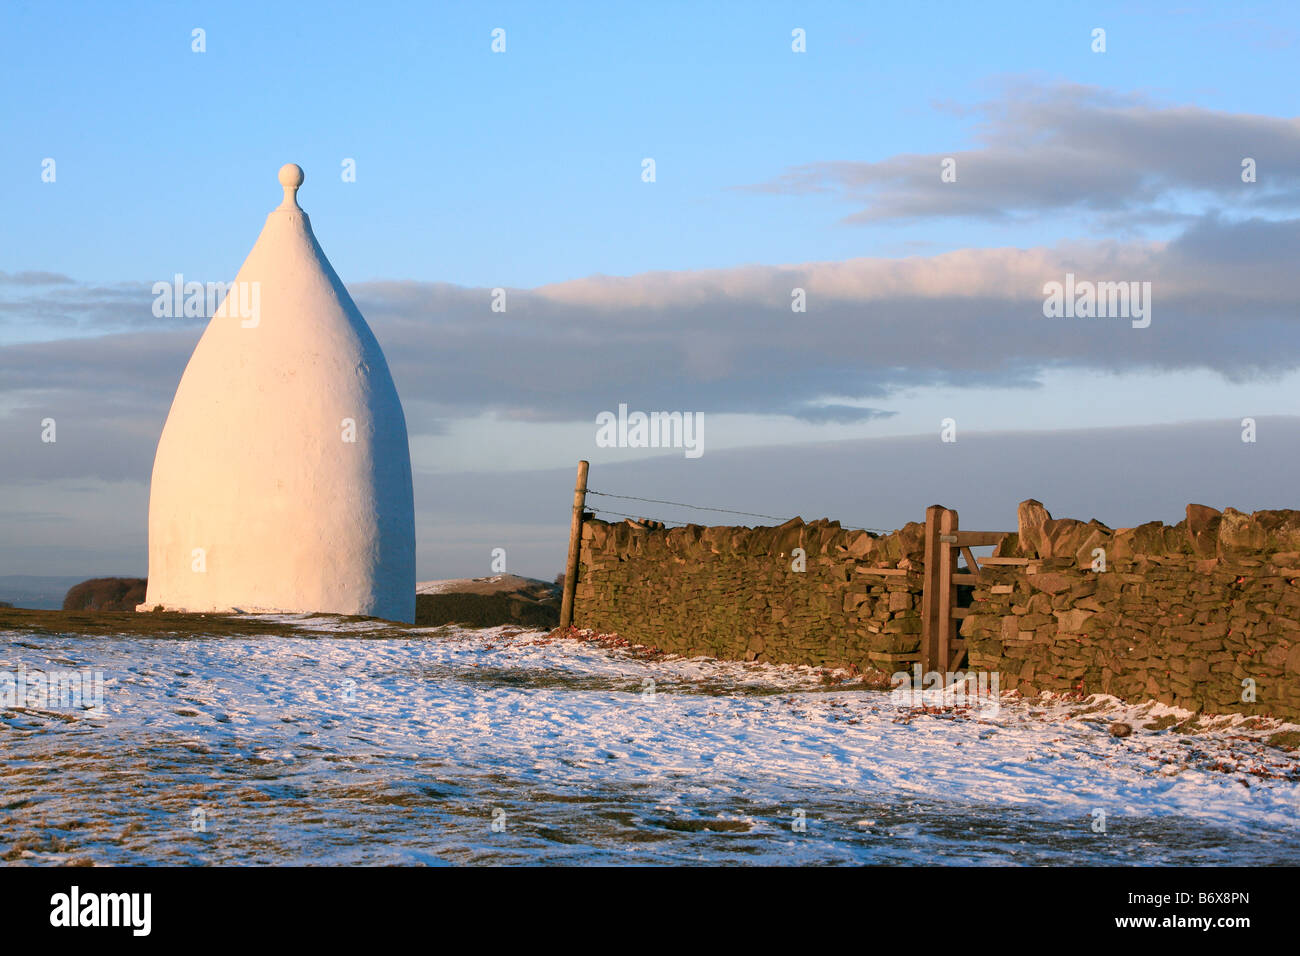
x=942, y=648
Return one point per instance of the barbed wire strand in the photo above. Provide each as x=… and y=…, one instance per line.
x=679, y=504
x=602, y=511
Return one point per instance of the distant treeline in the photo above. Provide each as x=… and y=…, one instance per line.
x=534, y=604
x=105, y=594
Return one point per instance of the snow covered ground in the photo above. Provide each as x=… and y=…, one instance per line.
x=503, y=746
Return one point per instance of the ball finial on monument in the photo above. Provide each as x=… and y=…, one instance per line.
x=291, y=177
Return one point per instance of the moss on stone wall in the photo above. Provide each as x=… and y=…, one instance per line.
x=1203, y=614
x=736, y=593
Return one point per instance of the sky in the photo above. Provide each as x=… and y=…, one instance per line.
x=774, y=170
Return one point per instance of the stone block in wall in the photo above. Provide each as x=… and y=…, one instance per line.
x=787, y=536
x=1050, y=581
x=1082, y=590
x=910, y=539
x=758, y=543
x=903, y=625
x=860, y=543
x=1203, y=529
x=715, y=538
x=1239, y=534
x=1072, y=621
x=1039, y=603
x=980, y=625
x=1274, y=656
x=1031, y=518
x=1097, y=536
x=1145, y=539
x=1009, y=546
x=1060, y=537
x=1281, y=529
x=1010, y=628
x=816, y=538
x=894, y=643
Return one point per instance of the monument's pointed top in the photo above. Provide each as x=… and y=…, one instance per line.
x=291, y=177
x=285, y=355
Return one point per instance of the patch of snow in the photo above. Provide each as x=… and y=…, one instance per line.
x=434, y=587
x=336, y=749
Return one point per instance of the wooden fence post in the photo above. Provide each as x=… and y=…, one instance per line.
x=930, y=590
x=575, y=545
x=947, y=567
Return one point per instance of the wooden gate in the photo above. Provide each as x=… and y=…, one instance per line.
x=942, y=649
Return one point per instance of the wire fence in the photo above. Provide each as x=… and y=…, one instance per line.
x=681, y=504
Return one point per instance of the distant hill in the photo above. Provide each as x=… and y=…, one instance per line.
x=486, y=602
x=475, y=602
x=105, y=594
x=43, y=592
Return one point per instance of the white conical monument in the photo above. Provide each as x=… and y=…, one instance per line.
x=283, y=475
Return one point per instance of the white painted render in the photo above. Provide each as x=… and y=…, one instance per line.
x=258, y=502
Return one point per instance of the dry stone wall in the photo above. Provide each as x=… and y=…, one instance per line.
x=1204, y=614
x=735, y=593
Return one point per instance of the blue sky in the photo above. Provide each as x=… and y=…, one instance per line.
x=523, y=168
x=773, y=169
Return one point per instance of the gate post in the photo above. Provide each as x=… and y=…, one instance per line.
x=575, y=545
x=947, y=593
x=930, y=590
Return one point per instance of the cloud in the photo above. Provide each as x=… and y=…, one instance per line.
x=722, y=341
x=34, y=278
x=839, y=414
x=1071, y=148
x=38, y=305
x=1122, y=476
